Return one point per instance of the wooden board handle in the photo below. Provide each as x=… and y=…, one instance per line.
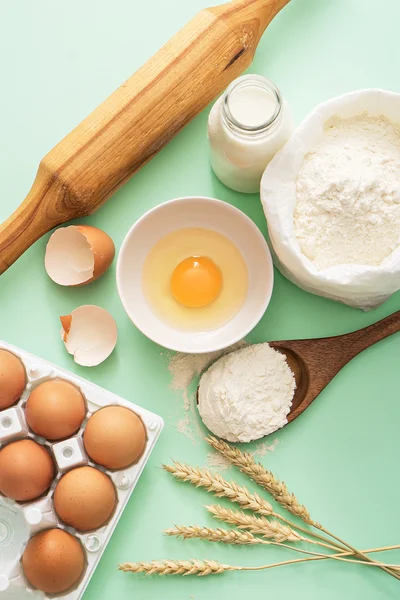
x=138, y=119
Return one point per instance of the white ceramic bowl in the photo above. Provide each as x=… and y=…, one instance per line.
x=194, y=212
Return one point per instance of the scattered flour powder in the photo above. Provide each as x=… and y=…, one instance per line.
x=348, y=193
x=247, y=394
x=185, y=370
x=215, y=460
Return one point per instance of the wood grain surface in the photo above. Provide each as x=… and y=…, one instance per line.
x=138, y=119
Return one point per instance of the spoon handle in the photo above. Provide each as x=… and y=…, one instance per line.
x=358, y=341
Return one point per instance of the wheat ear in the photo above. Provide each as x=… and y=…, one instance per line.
x=264, y=527
x=272, y=530
x=178, y=567
x=217, y=485
x=224, y=536
x=278, y=490
x=245, y=462
x=233, y=536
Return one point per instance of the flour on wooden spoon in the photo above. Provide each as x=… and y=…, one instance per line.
x=185, y=369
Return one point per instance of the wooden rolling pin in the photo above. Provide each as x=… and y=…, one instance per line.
x=137, y=120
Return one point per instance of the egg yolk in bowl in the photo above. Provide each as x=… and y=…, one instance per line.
x=195, y=279
x=196, y=282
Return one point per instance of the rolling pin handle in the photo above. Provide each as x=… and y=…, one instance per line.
x=28, y=223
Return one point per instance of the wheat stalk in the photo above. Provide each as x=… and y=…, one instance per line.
x=245, y=462
x=246, y=538
x=278, y=490
x=224, y=536
x=220, y=487
x=217, y=485
x=259, y=525
x=212, y=567
x=177, y=567
x=233, y=536
x=264, y=527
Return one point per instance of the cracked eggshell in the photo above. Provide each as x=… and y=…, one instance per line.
x=89, y=334
x=78, y=254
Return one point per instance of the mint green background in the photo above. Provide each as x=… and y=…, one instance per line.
x=58, y=61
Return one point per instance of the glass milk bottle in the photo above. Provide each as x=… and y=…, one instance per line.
x=247, y=126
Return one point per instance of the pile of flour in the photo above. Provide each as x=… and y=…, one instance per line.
x=348, y=193
x=184, y=370
x=247, y=394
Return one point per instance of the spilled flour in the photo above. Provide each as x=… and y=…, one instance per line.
x=215, y=460
x=263, y=448
x=185, y=369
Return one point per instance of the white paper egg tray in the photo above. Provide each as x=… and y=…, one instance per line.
x=19, y=521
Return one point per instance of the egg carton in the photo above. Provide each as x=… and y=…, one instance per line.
x=20, y=520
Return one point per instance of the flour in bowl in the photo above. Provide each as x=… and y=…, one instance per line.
x=246, y=394
x=348, y=193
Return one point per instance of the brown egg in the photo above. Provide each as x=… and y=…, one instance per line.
x=114, y=437
x=53, y=561
x=12, y=379
x=55, y=409
x=85, y=498
x=26, y=470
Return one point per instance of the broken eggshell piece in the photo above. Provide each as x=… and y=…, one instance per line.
x=89, y=334
x=78, y=254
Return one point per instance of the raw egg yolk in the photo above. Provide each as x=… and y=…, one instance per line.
x=196, y=282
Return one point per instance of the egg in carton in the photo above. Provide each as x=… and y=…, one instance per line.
x=21, y=521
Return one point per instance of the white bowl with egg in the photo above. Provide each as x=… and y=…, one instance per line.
x=201, y=213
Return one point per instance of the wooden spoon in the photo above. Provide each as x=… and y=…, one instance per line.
x=315, y=362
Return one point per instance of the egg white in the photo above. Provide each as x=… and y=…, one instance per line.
x=169, y=252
